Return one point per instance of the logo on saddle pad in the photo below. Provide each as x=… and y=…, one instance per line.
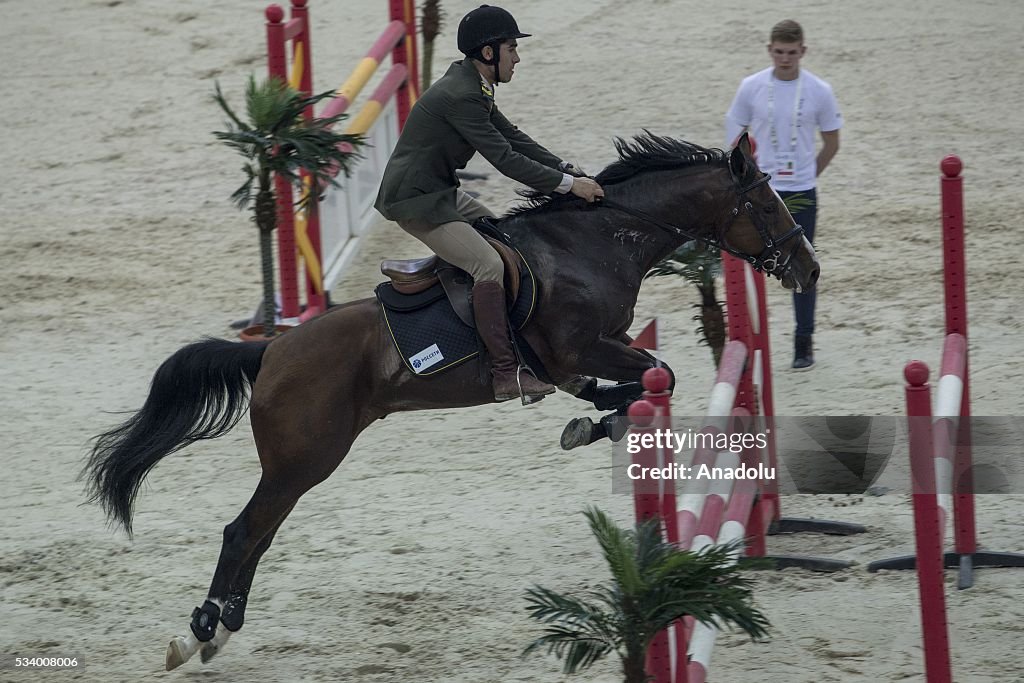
x=426, y=358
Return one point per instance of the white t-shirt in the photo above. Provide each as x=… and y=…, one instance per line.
x=787, y=152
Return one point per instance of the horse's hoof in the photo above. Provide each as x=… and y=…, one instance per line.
x=177, y=654
x=212, y=648
x=208, y=651
x=577, y=433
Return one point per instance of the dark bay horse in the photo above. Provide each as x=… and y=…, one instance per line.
x=307, y=407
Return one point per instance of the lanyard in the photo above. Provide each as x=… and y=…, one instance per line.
x=797, y=105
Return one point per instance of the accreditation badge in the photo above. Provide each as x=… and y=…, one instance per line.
x=785, y=164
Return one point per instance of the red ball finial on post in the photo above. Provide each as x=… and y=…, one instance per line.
x=641, y=413
x=916, y=373
x=299, y=3
x=951, y=165
x=656, y=380
x=274, y=14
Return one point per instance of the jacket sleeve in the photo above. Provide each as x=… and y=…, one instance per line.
x=523, y=143
x=471, y=117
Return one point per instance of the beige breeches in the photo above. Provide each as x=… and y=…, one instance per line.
x=458, y=243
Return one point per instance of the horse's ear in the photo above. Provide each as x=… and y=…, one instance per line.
x=744, y=144
x=739, y=158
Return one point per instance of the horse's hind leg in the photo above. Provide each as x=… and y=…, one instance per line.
x=232, y=616
x=269, y=504
x=294, y=460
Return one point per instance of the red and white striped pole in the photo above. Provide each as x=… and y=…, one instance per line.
x=928, y=529
x=647, y=504
x=947, y=422
x=721, y=525
x=723, y=396
x=955, y=281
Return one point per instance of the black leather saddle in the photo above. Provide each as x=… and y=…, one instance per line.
x=428, y=310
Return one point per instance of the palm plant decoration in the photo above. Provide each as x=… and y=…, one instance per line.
x=653, y=584
x=275, y=140
x=797, y=202
x=700, y=264
x=430, y=26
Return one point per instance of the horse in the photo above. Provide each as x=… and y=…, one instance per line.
x=306, y=408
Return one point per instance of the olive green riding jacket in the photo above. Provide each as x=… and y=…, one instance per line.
x=455, y=118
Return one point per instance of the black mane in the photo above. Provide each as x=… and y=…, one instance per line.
x=645, y=152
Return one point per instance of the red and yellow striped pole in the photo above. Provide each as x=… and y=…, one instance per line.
x=369, y=112
x=352, y=86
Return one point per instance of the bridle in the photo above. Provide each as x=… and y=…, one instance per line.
x=769, y=260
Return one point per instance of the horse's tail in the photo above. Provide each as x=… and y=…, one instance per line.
x=198, y=393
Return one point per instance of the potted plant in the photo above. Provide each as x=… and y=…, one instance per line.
x=700, y=264
x=276, y=140
x=653, y=585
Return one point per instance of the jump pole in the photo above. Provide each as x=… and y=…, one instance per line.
x=940, y=451
x=951, y=436
x=702, y=512
x=398, y=39
x=748, y=322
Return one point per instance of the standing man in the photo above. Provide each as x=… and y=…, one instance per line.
x=452, y=121
x=782, y=106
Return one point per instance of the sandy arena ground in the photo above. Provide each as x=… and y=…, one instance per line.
x=409, y=565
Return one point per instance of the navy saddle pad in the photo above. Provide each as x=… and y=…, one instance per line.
x=429, y=335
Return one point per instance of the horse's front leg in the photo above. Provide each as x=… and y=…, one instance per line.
x=613, y=359
x=609, y=359
x=603, y=396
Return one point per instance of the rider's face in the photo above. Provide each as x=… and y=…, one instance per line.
x=509, y=58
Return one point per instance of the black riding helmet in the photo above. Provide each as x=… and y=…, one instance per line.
x=487, y=25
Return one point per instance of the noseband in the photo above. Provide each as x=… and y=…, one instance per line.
x=768, y=261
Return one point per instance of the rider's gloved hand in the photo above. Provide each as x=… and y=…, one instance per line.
x=587, y=188
x=571, y=169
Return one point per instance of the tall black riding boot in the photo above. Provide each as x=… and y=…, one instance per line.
x=492, y=326
x=803, y=357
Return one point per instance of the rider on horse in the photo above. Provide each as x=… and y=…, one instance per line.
x=453, y=120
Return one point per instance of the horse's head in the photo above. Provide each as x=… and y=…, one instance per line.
x=761, y=226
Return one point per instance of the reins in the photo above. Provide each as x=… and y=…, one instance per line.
x=768, y=261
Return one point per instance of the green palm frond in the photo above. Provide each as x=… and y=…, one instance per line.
x=619, y=548
x=278, y=140
x=700, y=265
x=577, y=650
x=244, y=193
x=796, y=203
x=653, y=585
x=577, y=631
x=695, y=261
x=218, y=97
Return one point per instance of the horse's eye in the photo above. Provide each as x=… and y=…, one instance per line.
x=769, y=208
